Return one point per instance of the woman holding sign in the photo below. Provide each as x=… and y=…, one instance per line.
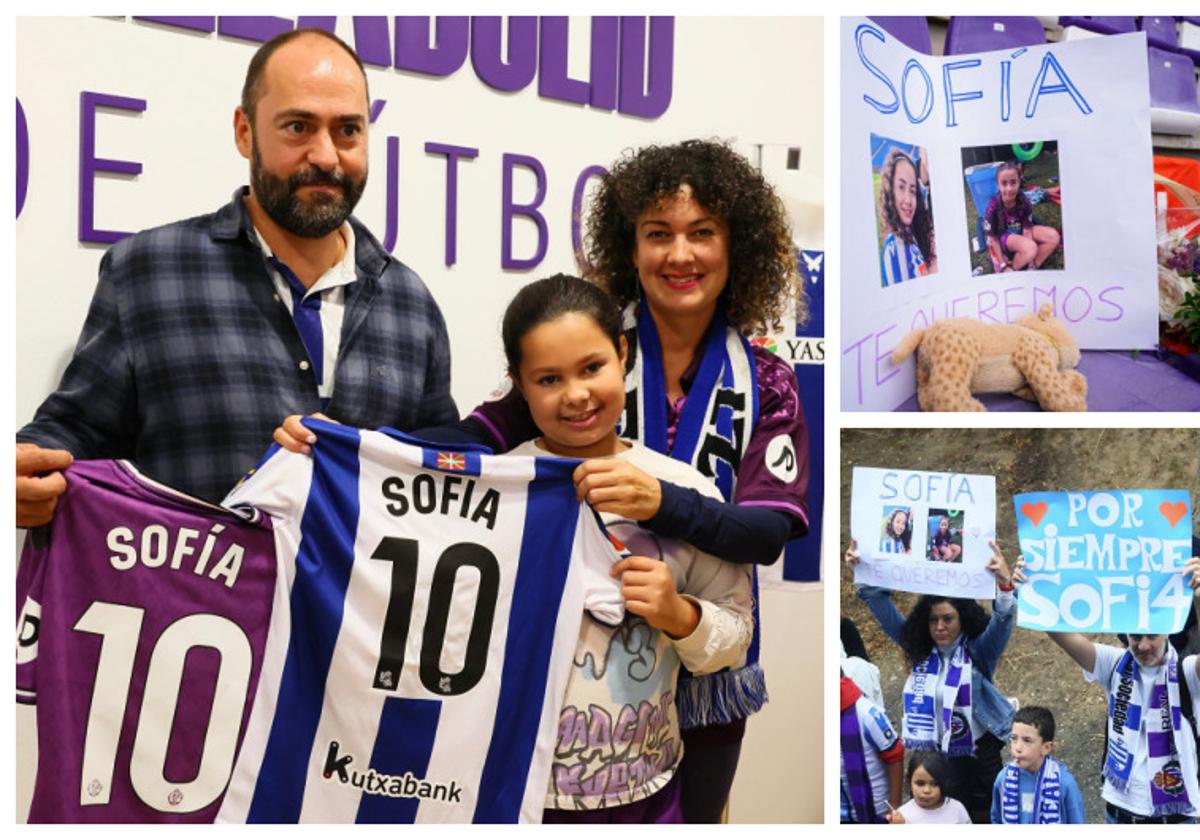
x=1151, y=766
x=950, y=704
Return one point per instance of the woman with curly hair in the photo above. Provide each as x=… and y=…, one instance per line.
x=951, y=647
x=908, y=246
x=696, y=247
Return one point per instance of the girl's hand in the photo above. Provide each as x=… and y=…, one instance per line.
x=1193, y=566
x=998, y=567
x=612, y=485
x=649, y=591
x=896, y=818
x=852, y=553
x=294, y=437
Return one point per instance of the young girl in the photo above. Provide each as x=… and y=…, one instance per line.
x=566, y=356
x=944, y=547
x=928, y=777
x=897, y=535
x=1011, y=233
x=908, y=249
x=950, y=703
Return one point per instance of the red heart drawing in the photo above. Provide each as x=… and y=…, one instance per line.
x=1034, y=513
x=1173, y=511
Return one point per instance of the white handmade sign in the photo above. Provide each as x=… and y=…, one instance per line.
x=924, y=532
x=1105, y=562
x=984, y=185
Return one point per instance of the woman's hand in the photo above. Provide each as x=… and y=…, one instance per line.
x=611, y=485
x=998, y=567
x=1018, y=574
x=1193, y=566
x=852, y=553
x=896, y=818
x=649, y=591
x=294, y=437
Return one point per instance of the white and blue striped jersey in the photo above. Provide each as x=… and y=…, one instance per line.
x=417, y=670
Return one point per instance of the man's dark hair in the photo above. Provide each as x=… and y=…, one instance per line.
x=252, y=88
x=1039, y=717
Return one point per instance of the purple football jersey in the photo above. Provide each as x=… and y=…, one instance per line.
x=142, y=617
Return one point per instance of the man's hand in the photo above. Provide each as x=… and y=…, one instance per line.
x=38, y=494
x=294, y=437
x=649, y=591
x=611, y=485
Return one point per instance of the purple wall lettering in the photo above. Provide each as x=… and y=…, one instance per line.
x=605, y=34
x=391, y=224
x=448, y=53
x=375, y=110
x=553, y=81
x=646, y=91
x=89, y=164
x=326, y=22
x=452, y=153
x=22, y=158
x=509, y=208
x=195, y=23
x=487, y=52
x=371, y=41
x=577, y=209
x=249, y=28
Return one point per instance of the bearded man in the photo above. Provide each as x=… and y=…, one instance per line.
x=204, y=333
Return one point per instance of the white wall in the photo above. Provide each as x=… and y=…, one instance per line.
x=752, y=80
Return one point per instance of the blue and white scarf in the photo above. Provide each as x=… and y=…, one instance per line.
x=1047, y=794
x=1170, y=770
x=923, y=729
x=714, y=430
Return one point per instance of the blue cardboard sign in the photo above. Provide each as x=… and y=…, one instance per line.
x=1104, y=562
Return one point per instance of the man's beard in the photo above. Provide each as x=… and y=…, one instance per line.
x=321, y=215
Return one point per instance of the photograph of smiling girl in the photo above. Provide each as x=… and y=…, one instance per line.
x=904, y=210
x=1014, y=207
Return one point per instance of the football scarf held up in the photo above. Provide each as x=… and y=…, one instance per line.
x=1047, y=794
x=1170, y=770
x=714, y=429
x=924, y=729
x=857, y=779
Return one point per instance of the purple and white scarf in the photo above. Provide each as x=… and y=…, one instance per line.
x=924, y=729
x=1047, y=794
x=1170, y=770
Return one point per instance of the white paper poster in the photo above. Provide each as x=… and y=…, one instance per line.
x=924, y=532
x=984, y=185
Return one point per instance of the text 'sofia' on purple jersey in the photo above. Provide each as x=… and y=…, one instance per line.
x=142, y=618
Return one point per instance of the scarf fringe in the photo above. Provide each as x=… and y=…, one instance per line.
x=722, y=697
x=1168, y=809
x=1113, y=779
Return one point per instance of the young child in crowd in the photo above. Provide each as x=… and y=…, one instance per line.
x=1035, y=787
x=872, y=758
x=1009, y=224
x=566, y=355
x=928, y=777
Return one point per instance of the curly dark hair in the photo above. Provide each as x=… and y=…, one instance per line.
x=915, y=640
x=762, y=258
x=921, y=230
x=890, y=530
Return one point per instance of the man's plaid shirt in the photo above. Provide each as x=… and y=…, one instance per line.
x=187, y=361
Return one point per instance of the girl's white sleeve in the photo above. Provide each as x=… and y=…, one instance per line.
x=723, y=593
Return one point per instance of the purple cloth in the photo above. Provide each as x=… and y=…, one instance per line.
x=999, y=220
x=114, y=566
x=1116, y=382
x=858, y=782
x=661, y=807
